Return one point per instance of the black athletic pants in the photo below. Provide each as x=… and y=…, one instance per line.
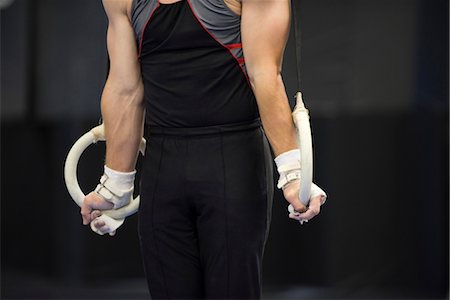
x=206, y=197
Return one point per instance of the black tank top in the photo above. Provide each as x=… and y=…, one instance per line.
x=191, y=78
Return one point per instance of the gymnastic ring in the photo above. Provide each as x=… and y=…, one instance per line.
x=301, y=120
x=70, y=172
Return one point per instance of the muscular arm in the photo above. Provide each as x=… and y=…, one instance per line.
x=122, y=99
x=122, y=108
x=265, y=29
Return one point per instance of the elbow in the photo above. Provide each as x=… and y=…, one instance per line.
x=131, y=93
x=134, y=94
x=264, y=77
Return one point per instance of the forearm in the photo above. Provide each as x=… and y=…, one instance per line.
x=123, y=116
x=265, y=29
x=276, y=115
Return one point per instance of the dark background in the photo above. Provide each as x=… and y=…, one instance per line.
x=375, y=77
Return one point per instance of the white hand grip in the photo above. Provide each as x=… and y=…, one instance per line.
x=70, y=172
x=301, y=120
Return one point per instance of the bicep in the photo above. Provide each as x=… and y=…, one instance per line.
x=265, y=28
x=124, y=73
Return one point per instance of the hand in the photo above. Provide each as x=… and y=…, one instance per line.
x=91, y=214
x=93, y=201
x=297, y=210
x=312, y=210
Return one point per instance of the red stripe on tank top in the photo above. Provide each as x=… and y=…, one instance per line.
x=234, y=46
x=229, y=50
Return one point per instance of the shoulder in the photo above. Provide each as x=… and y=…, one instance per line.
x=234, y=5
x=116, y=8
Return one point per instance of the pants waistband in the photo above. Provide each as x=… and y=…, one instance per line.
x=193, y=131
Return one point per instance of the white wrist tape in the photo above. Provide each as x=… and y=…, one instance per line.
x=317, y=191
x=116, y=187
x=288, y=166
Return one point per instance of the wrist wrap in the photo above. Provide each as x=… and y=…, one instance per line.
x=288, y=166
x=116, y=187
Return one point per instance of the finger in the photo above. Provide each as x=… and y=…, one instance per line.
x=104, y=229
x=95, y=214
x=86, y=208
x=297, y=218
x=99, y=223
x=322, y=200
x=295, y=205
x=294, y=216
x=313, y=209
x=315, y=203
x=86, y=212
x=99, y=229
x=299, y=207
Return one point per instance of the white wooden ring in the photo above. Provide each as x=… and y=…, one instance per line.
x=301, y=120
x=70, y=172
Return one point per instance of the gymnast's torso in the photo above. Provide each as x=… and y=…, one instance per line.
x=192, y=64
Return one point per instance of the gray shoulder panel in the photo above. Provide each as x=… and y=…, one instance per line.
x=221, y=22
x=141, y=12
x=214, y=15
x=218, y=19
